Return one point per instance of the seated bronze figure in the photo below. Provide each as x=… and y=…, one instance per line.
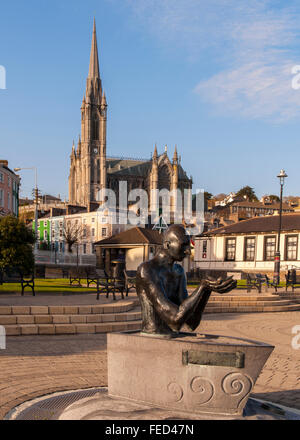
x=161, y=288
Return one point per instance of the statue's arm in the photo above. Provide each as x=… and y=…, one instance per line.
x=208, y=286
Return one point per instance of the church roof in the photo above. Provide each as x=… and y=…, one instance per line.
x=135, y=167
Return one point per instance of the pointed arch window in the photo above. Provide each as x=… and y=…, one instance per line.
x=95, y=128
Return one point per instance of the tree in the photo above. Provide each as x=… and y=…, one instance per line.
x=274, y=198
x=248, y=193
x=207, y=195
x=72, y=234
x=16, y=244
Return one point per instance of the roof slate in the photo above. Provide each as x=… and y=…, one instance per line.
x=269, y=223
x=136, y=235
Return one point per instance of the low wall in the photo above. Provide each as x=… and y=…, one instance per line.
x=56, y=270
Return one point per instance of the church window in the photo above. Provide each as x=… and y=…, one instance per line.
x=164, y=178
x=95, y=129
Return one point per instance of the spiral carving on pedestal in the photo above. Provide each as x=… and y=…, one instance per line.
x=203, y=389
x=175, y=392
x=237, y=384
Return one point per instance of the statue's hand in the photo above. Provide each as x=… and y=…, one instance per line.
x=219, y=285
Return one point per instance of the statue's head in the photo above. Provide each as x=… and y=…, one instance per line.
x=176, y=242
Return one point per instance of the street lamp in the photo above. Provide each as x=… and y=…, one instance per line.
x=36, y=193
x=282, y=175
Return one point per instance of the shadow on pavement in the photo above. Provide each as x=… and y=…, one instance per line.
x=53, y=345
x=289, y=398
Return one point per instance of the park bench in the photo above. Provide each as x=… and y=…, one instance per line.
x=257, y=280
x=75, y=275
x=130, y=280
x=292, y=279
x=107, y=284
x=92, y=275
x=18, y=275
x=253, y=282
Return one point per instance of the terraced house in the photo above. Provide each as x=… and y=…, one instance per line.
x=250, y=245
x=9, y=190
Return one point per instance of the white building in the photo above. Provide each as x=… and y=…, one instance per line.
x=86, y=227
x=250, y=245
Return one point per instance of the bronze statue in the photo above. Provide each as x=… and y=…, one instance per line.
x=161, y=287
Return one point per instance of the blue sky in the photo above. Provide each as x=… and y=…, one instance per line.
x=212, y=77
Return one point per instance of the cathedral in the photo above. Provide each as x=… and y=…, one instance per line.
x=92, y=169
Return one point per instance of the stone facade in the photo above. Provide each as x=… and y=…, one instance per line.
x=91, y=170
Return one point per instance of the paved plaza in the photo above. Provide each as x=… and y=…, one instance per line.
x=32, y=366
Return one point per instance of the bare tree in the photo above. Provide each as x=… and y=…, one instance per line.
x=72, y=233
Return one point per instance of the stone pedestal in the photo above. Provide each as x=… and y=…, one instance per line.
x=192, y=373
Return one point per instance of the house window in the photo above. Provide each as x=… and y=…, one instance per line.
x=291, y=245
x=93, y=232
x=270, y=247
x=8, y=200
x=230, y=249
x=1, y=178
x=104, y=232
x=84, y=248
x=249, y=249
x=45, y=235
x=1, y=197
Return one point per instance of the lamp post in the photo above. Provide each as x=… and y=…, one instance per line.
x=282, y=175
x=36, y=193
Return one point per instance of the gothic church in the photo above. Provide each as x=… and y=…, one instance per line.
x=91, y=169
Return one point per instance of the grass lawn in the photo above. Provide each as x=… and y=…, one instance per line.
x=59, y=285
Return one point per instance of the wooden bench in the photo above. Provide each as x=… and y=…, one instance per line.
x=130, y=280
x=17, y=275
x=292, y=279
x=92, y=275
x=75, y=276
x=108, y=284
x=257, y=280
x=253, y=282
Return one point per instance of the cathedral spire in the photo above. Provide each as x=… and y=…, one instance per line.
x=175, y=157
x=94, y=60
x=155, y=153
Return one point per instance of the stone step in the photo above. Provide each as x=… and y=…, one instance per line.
x=250, y=309
x=66, y=329
x=216, y=297
x=68, y=319
x=248, y=303
x=67, y=310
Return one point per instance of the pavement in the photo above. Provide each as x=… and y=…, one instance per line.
x=32, y=366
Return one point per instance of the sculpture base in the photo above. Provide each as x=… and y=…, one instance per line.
x=103, y=407
x=192, y=373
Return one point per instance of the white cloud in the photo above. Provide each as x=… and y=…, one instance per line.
x=254, y=43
